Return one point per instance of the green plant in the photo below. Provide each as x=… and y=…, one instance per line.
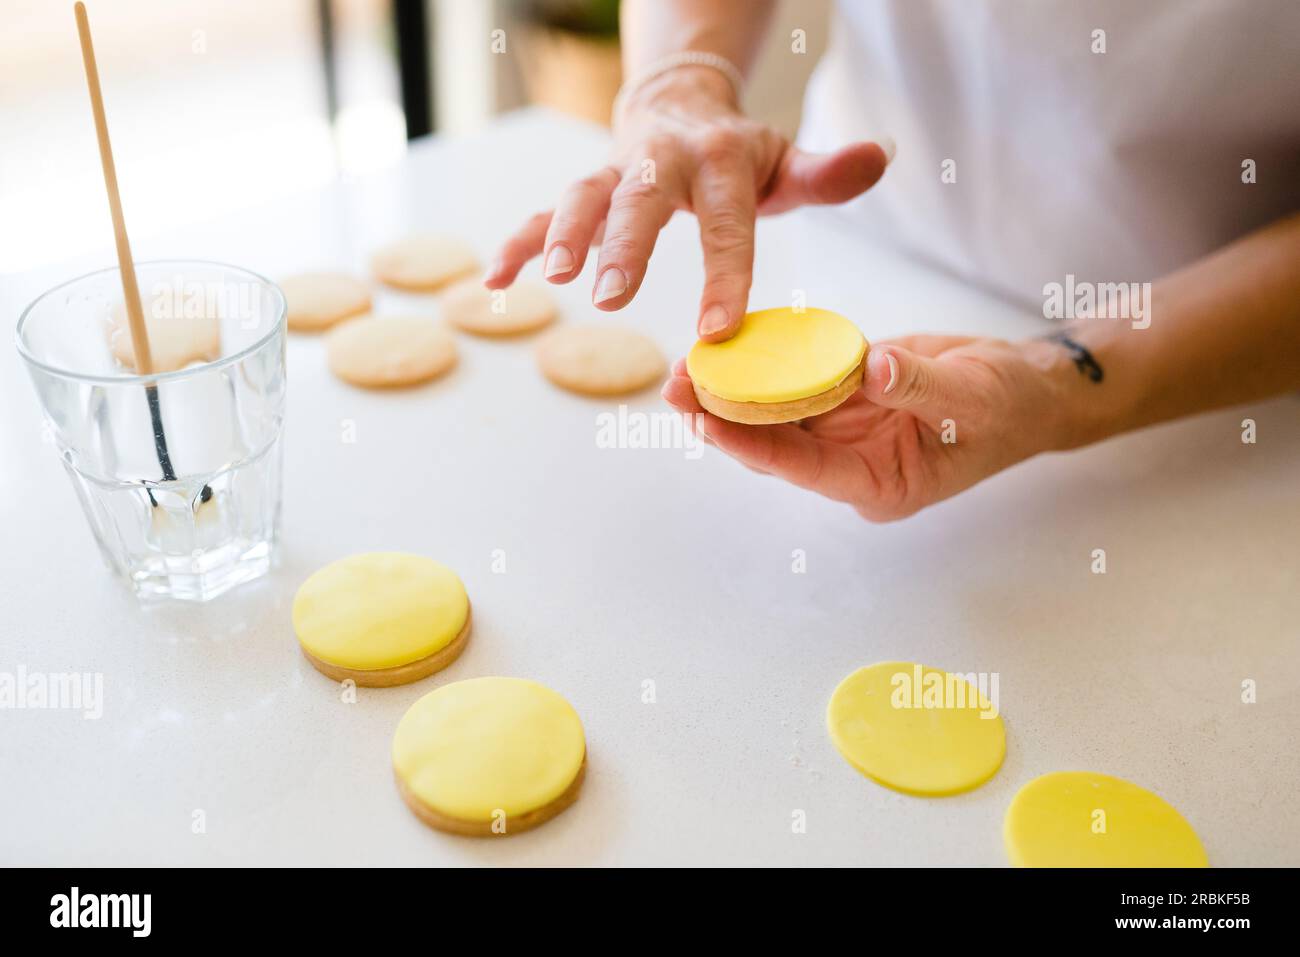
x=596, y=18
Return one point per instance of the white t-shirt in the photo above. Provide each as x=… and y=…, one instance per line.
x=1115, y=166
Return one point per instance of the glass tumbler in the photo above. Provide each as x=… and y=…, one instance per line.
x=178, y=472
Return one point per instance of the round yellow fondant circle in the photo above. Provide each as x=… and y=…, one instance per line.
x=916, y=729
x=779, y=355
x=379, y=610
x=473, y=748
x=1082, y=819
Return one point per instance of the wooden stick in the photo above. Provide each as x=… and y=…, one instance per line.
x=130, y=287
x=125, y=264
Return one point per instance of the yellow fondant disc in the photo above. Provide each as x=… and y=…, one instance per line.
x=1082, y=819
x=779, y=355
x=475, y=748
x=379, y=610
x=916, y=729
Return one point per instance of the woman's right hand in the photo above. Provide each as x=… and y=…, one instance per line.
x=681, y=142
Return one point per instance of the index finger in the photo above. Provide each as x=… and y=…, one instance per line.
x=724, y=200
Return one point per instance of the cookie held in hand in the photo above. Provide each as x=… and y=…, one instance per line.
x=783, y=365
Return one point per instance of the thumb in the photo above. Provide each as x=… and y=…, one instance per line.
x=900, y=379
x=804, y=179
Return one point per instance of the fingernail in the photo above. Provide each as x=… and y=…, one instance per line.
x=612, y=283
x=893, y=373
x=887, y=144
x=559, y=260
x=713, y=320
x=493, y=270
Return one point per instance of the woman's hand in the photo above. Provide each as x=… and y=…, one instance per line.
x=681, y=143
x=935, y=415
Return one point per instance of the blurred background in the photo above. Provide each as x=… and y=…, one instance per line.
x=218, y=105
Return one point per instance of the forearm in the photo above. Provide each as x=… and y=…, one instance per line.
x=1223, y=331
x=653, y=29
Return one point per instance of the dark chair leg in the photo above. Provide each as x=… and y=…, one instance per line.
x=410, y=19
x=329, y=57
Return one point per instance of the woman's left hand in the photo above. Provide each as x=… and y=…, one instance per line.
x=935, y=415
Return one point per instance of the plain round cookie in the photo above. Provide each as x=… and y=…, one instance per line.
x=523, y=307
x=382, y=618
x=1083, y=819
x=915, y=729
x=382, y=353
x=782, y=365
x=175, y=339
x=600, y=360
x=489, y=756
x=318, y=300
x=423, y=263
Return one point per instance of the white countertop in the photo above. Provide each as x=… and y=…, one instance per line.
x=628, y=565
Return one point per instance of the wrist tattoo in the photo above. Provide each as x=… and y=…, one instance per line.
x=1083, y=359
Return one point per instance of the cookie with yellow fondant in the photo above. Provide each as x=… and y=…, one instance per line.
x=782, y=365
x=382, y=618
x=489, y=756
